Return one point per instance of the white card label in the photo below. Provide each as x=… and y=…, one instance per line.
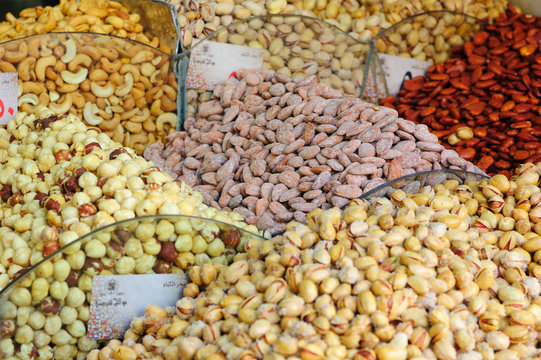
x=8, y=97
x=397, y=69
x=213, y=62
x=117, y=299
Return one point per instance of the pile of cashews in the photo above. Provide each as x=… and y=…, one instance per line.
x=126, y=89
x=98, y=16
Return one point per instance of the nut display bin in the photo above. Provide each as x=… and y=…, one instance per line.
x=294, y=45
x=46, y=310
x=429, y=35
x=124, y=87
x=414, y=182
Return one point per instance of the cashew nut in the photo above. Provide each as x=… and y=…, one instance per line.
x=102, y=91
x=33, y=47
x=79, y=59
x=147, y=69
x=156, y=108
x=71, y=51
x=134, y=70
x=138, y=142
x=129, y=114
x=7, y=67
x=78, y=100
x=24, y=68
x=33, y=87
x=168, y=105
x=133, y=127
x=78, y=20
x=51, y=21
x=91, y=51
x=111, y=124
x=170, y=92
x=90, y=112
x=110, y=67
x=42, y=64
x=110, y=54
x=16, y=56
x=142, y=56
x=74, y=78
x=101, y=13
x=98, y=75
x=118, y=134
x=63, y=107
x=145, y=114
x=166, y=118
x=53, y=96
x=28, y=98
x=66, y=88
x=128, y=85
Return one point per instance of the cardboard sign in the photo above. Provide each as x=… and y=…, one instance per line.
x=8, y=97
x=117, y=299
x=397, y=69
x=213, y=62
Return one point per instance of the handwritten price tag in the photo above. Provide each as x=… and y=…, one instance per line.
x=117, y=299
x=397, y=69
x=8, y=97
x=213, y=62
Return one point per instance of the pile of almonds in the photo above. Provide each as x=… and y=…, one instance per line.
x=485, y=101
x=273, y=148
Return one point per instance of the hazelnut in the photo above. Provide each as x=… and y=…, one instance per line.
x=168, y=252
x=62, y=155
x=51, y=204
x=150, y=170
x=40, y=197
x=15, y=199
x=153, y=186
x=72, y=278
x=50, y=233
x=231, y=238
x=7, y=328
x=42, y=124
x=116, y=152
x=162, y=267
x=121, y=235
x=91, y=146
x=102, y=181
x=70, y=184
x=50, y=306
x=87, y=209
x=68, y=195
x=6, y=192
x=116, y=247
x=93, y=266
x=80, y=171
x=50, y=247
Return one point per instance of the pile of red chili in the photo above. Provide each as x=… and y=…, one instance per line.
x=491, y=84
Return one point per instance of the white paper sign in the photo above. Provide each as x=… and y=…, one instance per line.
x=8, y=97
x=213, y=62
x=397, y=69
x=117, y=299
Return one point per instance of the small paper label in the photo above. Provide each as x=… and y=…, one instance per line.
x=117, y=299
x=213, y=62
x=8, y=97
x=397, y=69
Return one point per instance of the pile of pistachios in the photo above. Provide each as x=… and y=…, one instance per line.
x=450, y=272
